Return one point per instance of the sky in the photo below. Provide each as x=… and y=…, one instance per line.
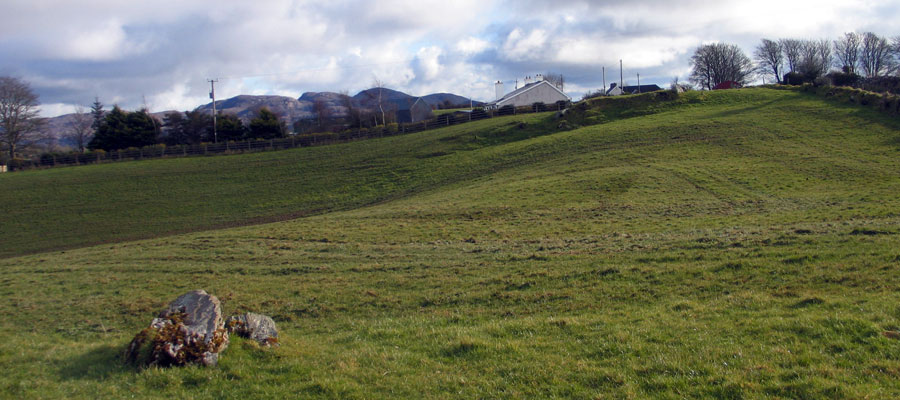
x=160, y=54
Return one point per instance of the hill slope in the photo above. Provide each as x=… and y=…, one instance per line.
x=725, y=245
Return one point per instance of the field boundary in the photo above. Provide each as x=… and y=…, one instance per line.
x=51, y=160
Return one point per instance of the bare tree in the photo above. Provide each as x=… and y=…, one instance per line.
x=815, y=58
x=876, y=58
x=322, y=111
x=791, y=48
x=847, y=51
x=825, y=56
x=715, y=63
x=896, y=53
x=770, y=57
x=19, y=122
x=79, y=130
x=354, y=113
x=557, y=80
x=378, y=88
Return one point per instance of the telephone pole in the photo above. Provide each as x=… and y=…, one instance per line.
x=621, y=76
x=212, y=95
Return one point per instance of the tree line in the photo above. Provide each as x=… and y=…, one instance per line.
x=854, y=59
x=120, y=129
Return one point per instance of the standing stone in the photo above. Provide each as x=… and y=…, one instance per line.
x=189, y=331
x=258, y=327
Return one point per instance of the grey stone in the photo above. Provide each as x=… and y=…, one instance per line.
x=190, y=330
x=258, y=327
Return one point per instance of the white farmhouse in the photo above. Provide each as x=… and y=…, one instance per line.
x=537, y=91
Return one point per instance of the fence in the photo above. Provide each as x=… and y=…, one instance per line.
x=49, y=160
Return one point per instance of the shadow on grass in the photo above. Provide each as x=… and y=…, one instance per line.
x=99, y=363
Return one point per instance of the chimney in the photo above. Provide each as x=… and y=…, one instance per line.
x=527, y=80
x=539, y=78
x=498, y=90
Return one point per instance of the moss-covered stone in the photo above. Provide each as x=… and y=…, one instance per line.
x=189, y=331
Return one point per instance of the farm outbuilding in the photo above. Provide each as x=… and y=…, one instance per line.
x=616, y=90
x=413, y=111
x=540, y=91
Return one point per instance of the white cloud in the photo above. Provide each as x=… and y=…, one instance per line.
x=120, y=50
x=520, y=46
x=472, y=45
x=429, y=63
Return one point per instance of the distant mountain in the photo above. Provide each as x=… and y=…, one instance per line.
x=289, y=109
x=440, y=99
x=245, y=107
x=369, y=98
x=59, y=127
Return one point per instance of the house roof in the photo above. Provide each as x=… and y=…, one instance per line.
x=524, y=89
x=634, y=89
x=408, y=103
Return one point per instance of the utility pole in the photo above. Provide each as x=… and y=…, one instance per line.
x=621, y=76
x=212, y=95
x=639, y=83
x=604, y=80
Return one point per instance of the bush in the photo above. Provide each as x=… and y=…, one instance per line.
x=392, y=127
x=48, y=158
x=538, y=107
x=881, y=84
x=793, y=78
x=506, y=110
x=18, y=163
x=844, y=79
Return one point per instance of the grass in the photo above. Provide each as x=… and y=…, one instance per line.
x=73, y=207
x=724, y=245
x=449, y=111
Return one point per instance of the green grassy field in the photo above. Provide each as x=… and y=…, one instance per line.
x=739, y=244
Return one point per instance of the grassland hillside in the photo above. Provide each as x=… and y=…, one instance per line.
x=737, y=244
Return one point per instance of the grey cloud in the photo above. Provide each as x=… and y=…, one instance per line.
x=288, y=47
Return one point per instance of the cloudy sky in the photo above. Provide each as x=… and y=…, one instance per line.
x=161, y=53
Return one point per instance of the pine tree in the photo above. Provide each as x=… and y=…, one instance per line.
x=97, y=114
x=266, y=125
x=120, y=130
x=230, y=127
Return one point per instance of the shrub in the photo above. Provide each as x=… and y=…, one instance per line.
x=48, y=158
x=793, y=78
x=844, y=79
x=538, y=107
x=506, y=110
x=881, y=84
x=392, y=127
x=18, y=163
